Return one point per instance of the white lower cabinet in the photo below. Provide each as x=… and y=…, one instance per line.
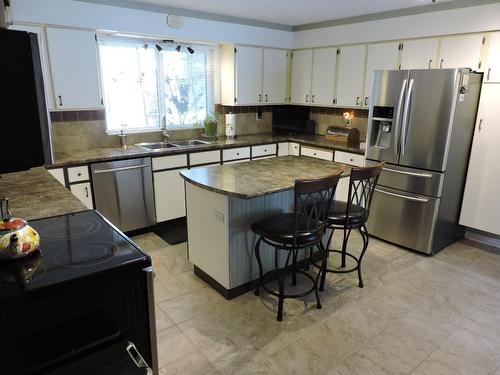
x=481, y=200
x=293, y=149
x=342, y=191
x=58, y=174
x=283, y=148
x=169, y=195
x=83, y=192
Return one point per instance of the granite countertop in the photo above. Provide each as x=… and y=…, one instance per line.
x=108, y=154
x=261, y=177
x=36, y=194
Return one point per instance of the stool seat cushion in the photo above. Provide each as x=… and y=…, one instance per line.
x=337, y=214
x=279, y=228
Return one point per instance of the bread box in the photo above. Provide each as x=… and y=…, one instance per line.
x=343, y=134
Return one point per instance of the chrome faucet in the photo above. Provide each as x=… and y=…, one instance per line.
x=165, y=135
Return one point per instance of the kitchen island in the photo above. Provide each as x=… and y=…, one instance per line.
x=223, y=201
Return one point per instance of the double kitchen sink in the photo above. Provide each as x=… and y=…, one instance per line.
x=158, y=146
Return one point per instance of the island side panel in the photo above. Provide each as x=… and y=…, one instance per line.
x=207, y=225
x=243, y=265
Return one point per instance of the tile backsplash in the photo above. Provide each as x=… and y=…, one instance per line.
x=84, y=130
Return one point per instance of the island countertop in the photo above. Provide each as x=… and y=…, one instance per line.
x=261, y=177
x=35, y=194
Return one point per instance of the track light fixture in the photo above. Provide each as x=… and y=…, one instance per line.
x=178, y=48
x=145, y=46
x=190, y=50
x=158, y=47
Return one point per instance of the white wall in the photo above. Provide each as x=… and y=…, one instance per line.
x=456, y=21
x=103, y=17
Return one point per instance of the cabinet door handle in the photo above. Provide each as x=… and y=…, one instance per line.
x=357, y=100
x=441, y=64
x=312, y=98
x=366, y=100
x=488, y=75
x=265, y=96
x=307, y=98
x=260, y=98
x=430, y=63
x=480, y=124
x=86, y=192
x=60, y=100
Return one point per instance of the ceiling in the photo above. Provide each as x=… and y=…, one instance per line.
x=292, y=12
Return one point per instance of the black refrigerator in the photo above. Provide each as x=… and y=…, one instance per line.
x=24, y=121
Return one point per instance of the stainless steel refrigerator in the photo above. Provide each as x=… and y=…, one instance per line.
x=421, y=124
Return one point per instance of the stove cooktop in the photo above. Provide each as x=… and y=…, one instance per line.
x=71, y=246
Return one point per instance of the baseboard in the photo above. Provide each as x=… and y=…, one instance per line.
x=483, y=237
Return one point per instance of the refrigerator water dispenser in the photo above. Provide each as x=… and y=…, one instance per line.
x=381, y=126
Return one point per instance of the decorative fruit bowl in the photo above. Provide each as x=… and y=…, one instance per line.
x=17, y=238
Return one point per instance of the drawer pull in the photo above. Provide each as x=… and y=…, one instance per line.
x=86, y=192
x=79, y=174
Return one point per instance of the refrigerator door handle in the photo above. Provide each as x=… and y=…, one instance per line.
x=397, y=125
x=406, y=114
x=423, y=175
x=413, y=199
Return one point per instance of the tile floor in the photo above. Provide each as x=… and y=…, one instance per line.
x=416, y=314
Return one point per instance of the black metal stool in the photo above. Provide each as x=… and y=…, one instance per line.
x=291, y=232
x=350, y=215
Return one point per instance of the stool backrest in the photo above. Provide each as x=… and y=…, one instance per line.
x=362, y=184
x=312, y=203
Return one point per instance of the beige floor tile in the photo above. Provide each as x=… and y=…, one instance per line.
x=162, y=320
x=305, y=357
x=173, y=345
x=168, y=288
x=192, y=364
x=464, y=352
x=485, y=320
x=186, y=306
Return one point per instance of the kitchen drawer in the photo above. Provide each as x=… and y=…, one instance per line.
x=82, y=191
x=349, y=158
x=204, y=157
x=263, y=150
x=294, y=149
x=168, y=162
x=76, y=174
x=236, y=153
x=315, y=153
x=283, y=148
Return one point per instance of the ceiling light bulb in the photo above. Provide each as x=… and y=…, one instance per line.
x=178, y=48
x=191, y=51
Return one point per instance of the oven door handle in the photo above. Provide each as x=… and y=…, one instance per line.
x=136, y=356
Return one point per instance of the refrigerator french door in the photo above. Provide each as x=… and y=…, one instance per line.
x=421, y=124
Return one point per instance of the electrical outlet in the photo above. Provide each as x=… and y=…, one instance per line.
x=258, y=115
x=219, y=216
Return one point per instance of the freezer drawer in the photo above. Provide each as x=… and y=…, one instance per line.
x=413, y=180
x=403, y=218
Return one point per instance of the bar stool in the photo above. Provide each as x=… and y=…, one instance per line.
x=350, y=215
x=291, y=232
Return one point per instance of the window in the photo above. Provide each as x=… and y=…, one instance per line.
x=146, y=87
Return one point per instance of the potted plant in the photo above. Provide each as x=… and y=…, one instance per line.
x=211, y=123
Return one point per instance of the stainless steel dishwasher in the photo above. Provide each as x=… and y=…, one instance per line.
x=123, y=192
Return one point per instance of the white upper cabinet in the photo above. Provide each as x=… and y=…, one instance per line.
x=248, y=75
x=274, y=75
x=323, y=76
x=492, y=68
x=481, y=200
x=381, y=56
x=460, y=51
x=74, y=68
x=350, y=78
x=419, y=54
x=42, y=45
x=301, y=76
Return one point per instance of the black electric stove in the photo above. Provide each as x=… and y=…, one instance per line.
x=87, y=289
x=71, y=247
